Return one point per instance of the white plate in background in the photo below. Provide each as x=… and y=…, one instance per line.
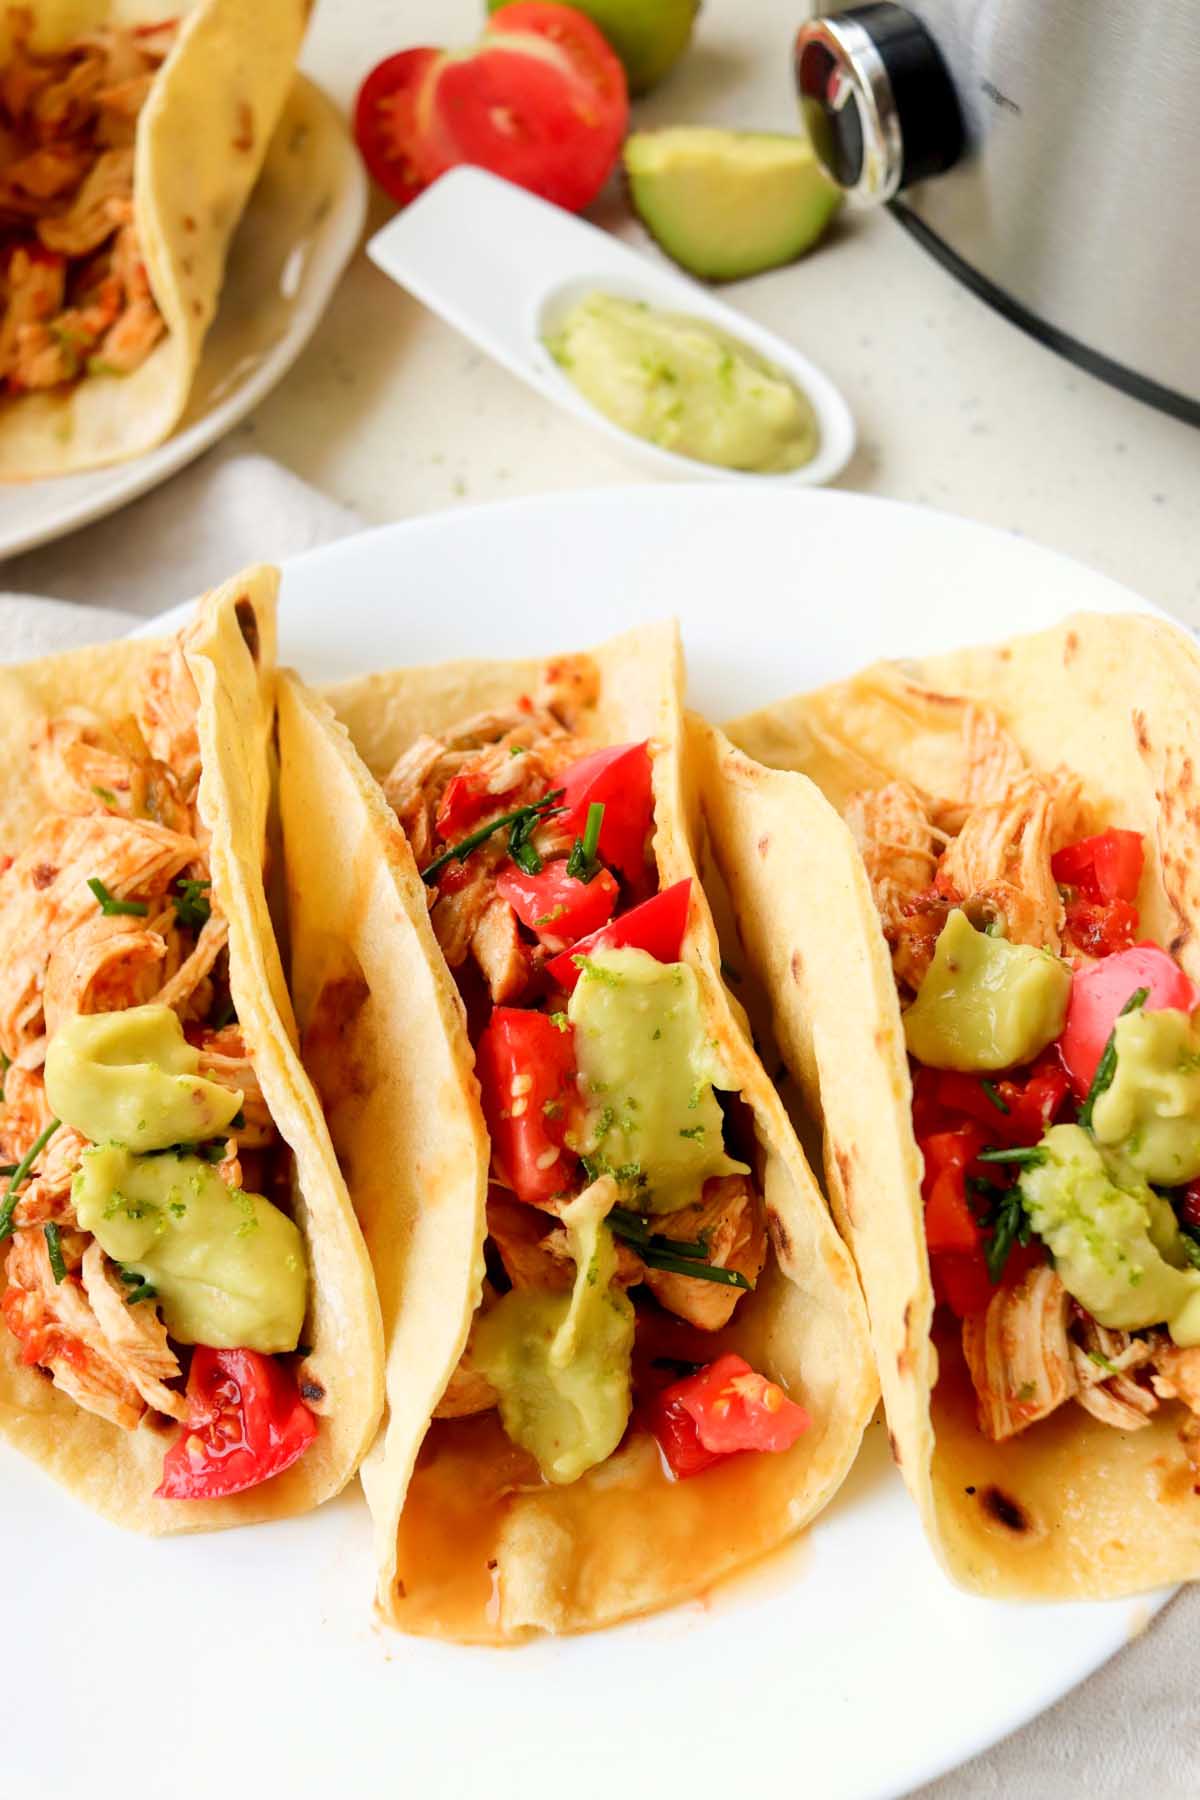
x=845, y=1668
x=298, y=232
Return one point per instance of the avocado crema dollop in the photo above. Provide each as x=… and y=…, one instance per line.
x=685, y=385
x=1152, y=1107
x=131, y=1077
x=651, y=1137
x=227, y=1268
x=985, y=1003
x=1116, y=1244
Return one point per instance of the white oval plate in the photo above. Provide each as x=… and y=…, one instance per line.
x=502, y=267
x=297, y=234
x=847, y=1667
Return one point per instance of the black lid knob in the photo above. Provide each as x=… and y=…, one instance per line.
x=878, y=100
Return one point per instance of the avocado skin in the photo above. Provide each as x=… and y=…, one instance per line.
x=649, y=36
x=726, y=205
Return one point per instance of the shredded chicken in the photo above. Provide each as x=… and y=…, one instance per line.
x=497, y=947
x=58, y=1330
x=225, y=1059
x=101, y=965
x=900, y=847
x=1000, y=862
x=1019, y=1353
x=134, y=1336
x=48, y=1196
x=729, y=1221
x=1104, y=1363
x=24, y=1114
x=75, y=297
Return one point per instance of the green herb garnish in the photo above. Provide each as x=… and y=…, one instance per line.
x=1106, y=1068
x=583, y=863
x=995, y=1096
x=1026, y=1156
x=145, y=1290
x=675, y=1256
x=192, y=908
x=1190, y=1234
x=1009, y=1226
x=105, y=794
x=9, y=1203
x=520, y=824
x=58, y=1267
x=113, y=908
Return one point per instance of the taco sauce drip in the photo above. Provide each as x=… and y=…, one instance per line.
x=619, y=1206
x=150, y=1269
x=75, y=298
x=1056, y=1080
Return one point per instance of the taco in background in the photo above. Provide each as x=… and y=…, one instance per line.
x=1009, y=1072
x=627, y=1350
x=190, y=1336
x=129, y=143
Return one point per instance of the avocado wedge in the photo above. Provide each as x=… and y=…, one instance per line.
x=728, y=204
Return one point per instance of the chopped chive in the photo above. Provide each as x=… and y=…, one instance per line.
x=145, y=1290
x=675, y=1256
x=519, y=824
x=1106, y=1068
x=192, y=908
x=1026, y=1156
x=58, y=1267
x=583, y=863
x=9, y=1204
x=113, y=908
x=995, y=1096
x=105, y=794
x=699, y=1271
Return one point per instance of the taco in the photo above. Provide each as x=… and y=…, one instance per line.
x=129, y=143
x=627, y=1349
x=1009, y=1072
x=190, y=1336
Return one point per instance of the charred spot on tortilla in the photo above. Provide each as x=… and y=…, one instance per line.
x=311, y=1390
x=244, y=140
x=780, y=1236
x=764, y=844
x=247, y=624
x=906, y=1361
x=1005, y=1510
x=796, y=965
x=1140, y=732
x=1070, y=648
x=894, y=1447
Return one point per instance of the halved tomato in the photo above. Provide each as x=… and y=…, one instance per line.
x=526, y=1069
x=559, y=908
x=540, y=100
x=657, y=926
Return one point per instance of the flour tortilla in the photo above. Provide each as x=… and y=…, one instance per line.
x=230, y=652
x=1070, y=1509
x=621, y=1540
x=201, y=139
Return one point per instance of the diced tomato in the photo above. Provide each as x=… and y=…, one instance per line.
x=1098, y=994
x=526, y=1069
x=620, y=779
x=1105, y=867
x=464, y=802
x=1101, y=928
x=677, y=1435
x=246, y=1422
x=962, y=1283
x=657, y=926
x=735, y=1408
x=541, y=99
x=1013, y=1110
x=949, y=1223
x=557, y=906
x=385, y=123
x=1189, y=1205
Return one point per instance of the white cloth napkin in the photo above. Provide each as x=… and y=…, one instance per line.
x=1130, y=1733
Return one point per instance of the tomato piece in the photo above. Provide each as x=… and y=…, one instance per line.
x=1105, y=867
x=558, y=907
x=735, y=1408
x=962, y=1283
x=1188, y=1205
x=464, y=801
x=620, y=779
x=657, y=926
x=386, y=123
x=678, y=1436
x=246, y=1422
x=541, y=100
x=1035, y=1103
x=1101, y=928
x=526, y=1069
x=1098, y=994
x=949, y=1222
x=1015, y=1110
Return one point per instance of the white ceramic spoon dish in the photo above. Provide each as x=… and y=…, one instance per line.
x=502, y=267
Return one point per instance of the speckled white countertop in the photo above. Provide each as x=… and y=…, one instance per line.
x=393, y=413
